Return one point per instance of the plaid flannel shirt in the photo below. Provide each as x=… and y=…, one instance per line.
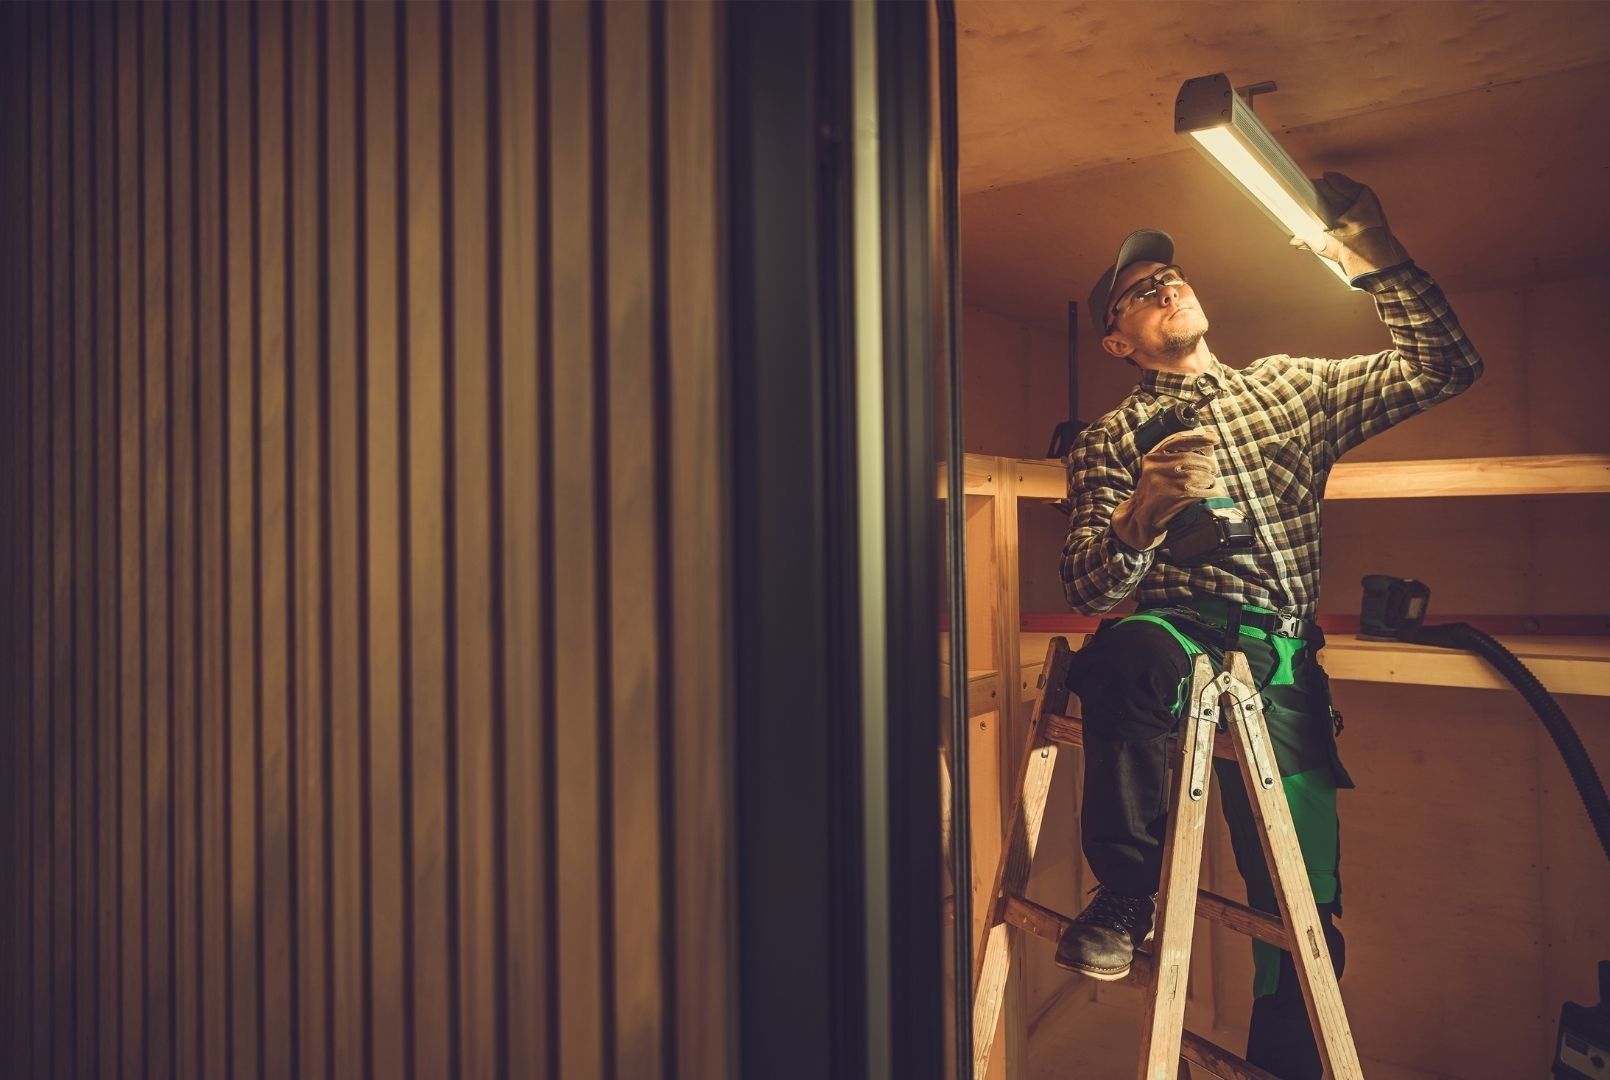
x=1282, y=423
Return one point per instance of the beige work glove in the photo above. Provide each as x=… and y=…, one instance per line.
x=1360, y=240
x=1176, y=473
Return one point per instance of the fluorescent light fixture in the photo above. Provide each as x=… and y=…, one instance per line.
x=1227, y=132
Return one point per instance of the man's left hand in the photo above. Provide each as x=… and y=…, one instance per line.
x=1361, y=239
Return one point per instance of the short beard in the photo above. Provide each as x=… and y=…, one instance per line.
x=1176, y=345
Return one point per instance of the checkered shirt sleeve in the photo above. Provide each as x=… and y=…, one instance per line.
x=1430, y=361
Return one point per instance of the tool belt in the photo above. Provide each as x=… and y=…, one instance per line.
x=1218, y=612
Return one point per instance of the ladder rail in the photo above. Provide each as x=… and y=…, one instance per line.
x=1034, y=771
x=1164, y=1024
x=1298, y=913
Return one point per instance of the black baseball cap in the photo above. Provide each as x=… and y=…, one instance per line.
x=1142, y=245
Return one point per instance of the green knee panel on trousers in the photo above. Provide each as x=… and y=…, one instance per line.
x=1312, y=799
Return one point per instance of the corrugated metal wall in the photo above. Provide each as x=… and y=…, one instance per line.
x=363, y=531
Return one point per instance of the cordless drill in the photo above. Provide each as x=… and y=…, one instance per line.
x=1208, y=529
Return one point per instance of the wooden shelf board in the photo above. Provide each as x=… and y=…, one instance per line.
x=1549, y=474
x=1546, y=474
x=1042, y=479
x=1565, y=665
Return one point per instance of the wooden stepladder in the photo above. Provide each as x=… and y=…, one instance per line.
x=1225, y=720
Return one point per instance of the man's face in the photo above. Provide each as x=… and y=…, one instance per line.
x=1168, y=323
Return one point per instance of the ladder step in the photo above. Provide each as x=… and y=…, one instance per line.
x=1042, y=922
x=1070, y=731
x=1242, y=919
x=1219, y=1061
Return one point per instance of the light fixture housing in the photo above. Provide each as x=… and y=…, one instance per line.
x=1223, y=127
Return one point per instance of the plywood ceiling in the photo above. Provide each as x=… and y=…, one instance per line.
x=1480, y=124
x=1049, y=88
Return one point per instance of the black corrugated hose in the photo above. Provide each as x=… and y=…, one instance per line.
x=1583, y=775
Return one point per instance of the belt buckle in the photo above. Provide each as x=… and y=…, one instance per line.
x=1288, y=625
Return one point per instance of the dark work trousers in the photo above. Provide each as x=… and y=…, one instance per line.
x=1133, y=679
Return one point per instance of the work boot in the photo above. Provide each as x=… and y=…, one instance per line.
x=1101, y=940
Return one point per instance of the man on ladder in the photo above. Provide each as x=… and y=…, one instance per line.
x=1268, y=435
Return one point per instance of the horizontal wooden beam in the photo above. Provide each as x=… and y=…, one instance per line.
x=978, y=475
x=1041, y=479
x=1550, y=474
x=1543, y=474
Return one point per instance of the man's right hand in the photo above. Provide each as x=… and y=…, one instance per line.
x=1174, y=474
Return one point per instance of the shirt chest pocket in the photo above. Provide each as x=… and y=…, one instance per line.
x=1288, y=471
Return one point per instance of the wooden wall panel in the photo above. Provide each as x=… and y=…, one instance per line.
x=242, y=991
x=277, y=951
x=425, y=660
x=698, y=711
x=103, y=253
x=59, y=477
x=76, y=440
x=210, y=900
x=13, y=584
x=38, y=360
x=180, y=208
x=365, y=532
x=130, y=583
x=306, y=310
x=15, y=612
x=469, y=426
x=380, y=284
x=632, y=572
x=82, y=510
x=524, y=816
x=584, y=962
x=342, y=781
